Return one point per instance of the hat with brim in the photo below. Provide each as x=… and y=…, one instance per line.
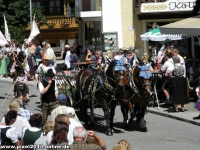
x=14, y=105
x=50, y=73
x=67, y=46
x=168, y=41
x=70, y=112
x=46, y=57
x=21, y=71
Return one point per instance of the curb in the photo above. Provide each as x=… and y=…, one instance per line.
x=174, y=117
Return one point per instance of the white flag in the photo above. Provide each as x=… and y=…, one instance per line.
x=34, y=31
x=3, y=41
x=7, y=34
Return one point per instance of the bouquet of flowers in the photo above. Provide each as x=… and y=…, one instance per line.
x=65, y=24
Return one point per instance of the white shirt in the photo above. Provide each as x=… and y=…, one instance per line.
x=11, y=133
x=18, y=50
x=67, y=59
x=41, y=87
x=168, y=66
x=160, y=56
x=73, y=124
x=49, y=137
x=41, y=141
x=20, y=123
x=197, y=91
x=44, y=68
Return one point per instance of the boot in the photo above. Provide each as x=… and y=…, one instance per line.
x=198, y=117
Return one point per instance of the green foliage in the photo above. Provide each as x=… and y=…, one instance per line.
x=17, y=14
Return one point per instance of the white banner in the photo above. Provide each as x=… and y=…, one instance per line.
x=3, y=41
x=168, y=6
x=7, y=34
x=34, y=31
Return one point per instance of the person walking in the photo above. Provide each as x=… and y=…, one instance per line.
x=49, y=91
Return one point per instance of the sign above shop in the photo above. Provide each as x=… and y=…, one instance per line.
x=168, y=6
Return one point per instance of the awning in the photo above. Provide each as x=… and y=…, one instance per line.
x=155, y=35
x=188, y=27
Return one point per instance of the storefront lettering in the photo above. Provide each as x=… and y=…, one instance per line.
x=181, y=5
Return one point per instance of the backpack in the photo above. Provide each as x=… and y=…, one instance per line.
x=179, y=70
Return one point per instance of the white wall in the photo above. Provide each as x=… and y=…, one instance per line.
x=111, y=18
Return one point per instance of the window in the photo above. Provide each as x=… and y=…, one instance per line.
x=54, y=7
x=35, y=3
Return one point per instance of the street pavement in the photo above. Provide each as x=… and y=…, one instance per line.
x=163, y=132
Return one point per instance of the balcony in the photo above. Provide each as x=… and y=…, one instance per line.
x=58, y=22
x=88, y=10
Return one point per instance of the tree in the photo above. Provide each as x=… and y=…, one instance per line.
x=17, y=14
x=196, y=8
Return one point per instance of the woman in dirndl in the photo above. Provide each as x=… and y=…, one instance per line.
x=4, y=61
x=31, y=62
x=179, y=87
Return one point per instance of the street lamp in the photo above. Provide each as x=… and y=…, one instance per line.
x=31, y=14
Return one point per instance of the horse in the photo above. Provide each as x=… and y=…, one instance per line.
x=140, y=99
x=130, y=96
x=91, y=89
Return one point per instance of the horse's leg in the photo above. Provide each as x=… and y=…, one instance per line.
x=142, y=122
x=112, y=114
x=124, y=110
x=83, y=109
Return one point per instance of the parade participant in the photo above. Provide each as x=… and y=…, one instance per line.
x=91, y=58
x=3, y=61
x=49, y=91
x=120, y=61
x=167, y=67
x=31, y=60
x=63, y=51
x=67, y=56
x=24, y=112
x=25, y=41
x=43, y=67
x=21, y=83
x=9, y=134
x=48, y=51
x=80, y=136
x=38, y=52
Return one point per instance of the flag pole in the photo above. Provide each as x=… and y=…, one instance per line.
x=31, y=14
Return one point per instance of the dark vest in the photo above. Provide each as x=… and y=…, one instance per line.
x=30, y=137
x=49, y=96
x=4, y=139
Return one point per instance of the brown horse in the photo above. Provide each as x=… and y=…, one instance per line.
x=89, y=92
x=139, y=98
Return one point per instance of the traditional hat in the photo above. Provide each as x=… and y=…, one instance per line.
x=67, y=46
x=47, y=57
x=50, y=73
x=168, y=41
x=14, y=105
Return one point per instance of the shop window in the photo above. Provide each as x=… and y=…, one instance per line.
x=36, y=3
x=54, y=7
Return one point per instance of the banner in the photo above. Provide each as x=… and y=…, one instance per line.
x=7, y=34
x=34, y=31
x=3, y=41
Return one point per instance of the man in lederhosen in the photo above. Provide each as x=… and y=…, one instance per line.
x=49, y=91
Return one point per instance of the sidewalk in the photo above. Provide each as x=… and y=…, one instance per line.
x=164, y=110
x=167, y=111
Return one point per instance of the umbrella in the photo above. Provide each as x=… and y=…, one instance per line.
x=155, y=35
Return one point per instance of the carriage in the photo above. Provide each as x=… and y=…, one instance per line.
x=87, y=88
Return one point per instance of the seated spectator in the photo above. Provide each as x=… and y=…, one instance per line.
x=31, y=134
x=9, y=135
x=20, y=122
x=125, y=143
x=24, y=112
x=59, y=118
x=62, y=108
x=80, y=135
x=119, y=147
x=59, y=135
x=48, y=126
x=73, y=123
